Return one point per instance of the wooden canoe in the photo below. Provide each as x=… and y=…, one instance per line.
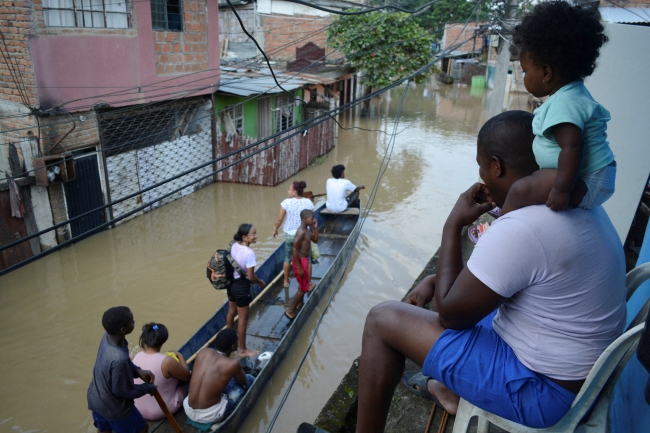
x=268, y=328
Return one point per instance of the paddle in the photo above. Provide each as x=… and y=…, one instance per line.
x=166, y=411
x=311, y=196
x=214, y=337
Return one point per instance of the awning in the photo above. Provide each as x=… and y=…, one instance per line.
x=247, y=83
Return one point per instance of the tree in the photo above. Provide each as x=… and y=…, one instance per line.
x=385, y=46
x=442, y=12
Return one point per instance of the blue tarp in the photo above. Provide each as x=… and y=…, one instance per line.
x=629, y=413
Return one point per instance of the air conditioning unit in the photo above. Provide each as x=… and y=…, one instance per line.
x=54, y=169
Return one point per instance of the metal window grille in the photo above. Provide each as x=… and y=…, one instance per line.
x=284, y=113
x=167, y=15
x=139, y=128
x=114, y=14
x=148, y=144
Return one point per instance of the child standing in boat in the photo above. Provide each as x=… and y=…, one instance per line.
x=301, y=255
x=239, y=293
x=111, y=393
x=558, y=45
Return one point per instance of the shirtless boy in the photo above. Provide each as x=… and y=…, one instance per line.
x=301, y=257
x=217, y=383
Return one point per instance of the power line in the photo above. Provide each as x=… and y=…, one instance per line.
x=308, y=124
x=397, y=8
x=106, y=149
x=362, y=217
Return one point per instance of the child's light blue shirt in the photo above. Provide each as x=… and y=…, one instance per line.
x=572, y=104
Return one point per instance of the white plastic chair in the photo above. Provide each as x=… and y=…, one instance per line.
x=598, y=385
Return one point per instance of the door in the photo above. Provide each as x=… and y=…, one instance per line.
x=85, y=194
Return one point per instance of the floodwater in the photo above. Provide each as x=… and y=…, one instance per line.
x=50, y=310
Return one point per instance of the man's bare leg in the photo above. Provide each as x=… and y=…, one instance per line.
x=298, y=300
x=534, y=189
x=393, y=331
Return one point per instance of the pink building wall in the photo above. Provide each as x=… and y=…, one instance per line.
x=82, y=67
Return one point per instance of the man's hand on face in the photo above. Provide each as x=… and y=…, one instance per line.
x=471, y=204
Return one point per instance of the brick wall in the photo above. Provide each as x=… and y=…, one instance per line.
x=16, y=26
x=15, y=126
x=281, y=33
x=229, y=26
x=85, y=134
x=186, y=51
x=454, y=34
x=59, y=211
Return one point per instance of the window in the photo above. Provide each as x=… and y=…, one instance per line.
x=236, y=114
x=166, y=15
x=111, y=14
x=283, y=112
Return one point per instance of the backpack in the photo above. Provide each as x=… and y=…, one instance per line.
x=220, y=269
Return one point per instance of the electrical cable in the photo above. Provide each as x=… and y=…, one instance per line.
x=373, y=194
x=305, y=4
x=310, y=123
x=354, y=236
x=441, y=54
x=138, y=88
x=199, y=89
x=13, y=71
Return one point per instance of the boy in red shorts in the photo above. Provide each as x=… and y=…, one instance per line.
x=300, y=258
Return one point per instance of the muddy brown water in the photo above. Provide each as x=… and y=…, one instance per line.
x=50, y=310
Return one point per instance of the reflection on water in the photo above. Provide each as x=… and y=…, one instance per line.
x=50, y=310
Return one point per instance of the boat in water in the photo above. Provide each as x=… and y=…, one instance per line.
x=269, y=330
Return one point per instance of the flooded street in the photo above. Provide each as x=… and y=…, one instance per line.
x=50, y=310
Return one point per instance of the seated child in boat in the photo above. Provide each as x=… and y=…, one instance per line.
x=111, y=393
x=218, y=382
x=300, y=259
x=570, y=144
x=170, y=369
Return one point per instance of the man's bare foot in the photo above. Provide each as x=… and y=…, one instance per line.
x=290, y=314
x=245, y=353
x=447, y=398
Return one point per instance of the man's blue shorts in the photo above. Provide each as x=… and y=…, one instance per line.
x=134, y=423
x=480, y=367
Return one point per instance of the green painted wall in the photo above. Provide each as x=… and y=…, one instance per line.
x=297, y=111
x=250, y=111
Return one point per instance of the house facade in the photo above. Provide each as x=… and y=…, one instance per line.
x=110, y=110
x=115, y=87
x=250, y=107
x=278, y=26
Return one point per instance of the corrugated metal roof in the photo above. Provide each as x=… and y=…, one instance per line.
x=625, y=15
x=246, y=83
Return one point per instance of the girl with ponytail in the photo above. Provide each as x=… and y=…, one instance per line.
x=239, y=293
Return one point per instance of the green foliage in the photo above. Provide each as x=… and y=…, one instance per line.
x=385, y=46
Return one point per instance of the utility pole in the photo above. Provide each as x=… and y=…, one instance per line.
x=503, y=60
